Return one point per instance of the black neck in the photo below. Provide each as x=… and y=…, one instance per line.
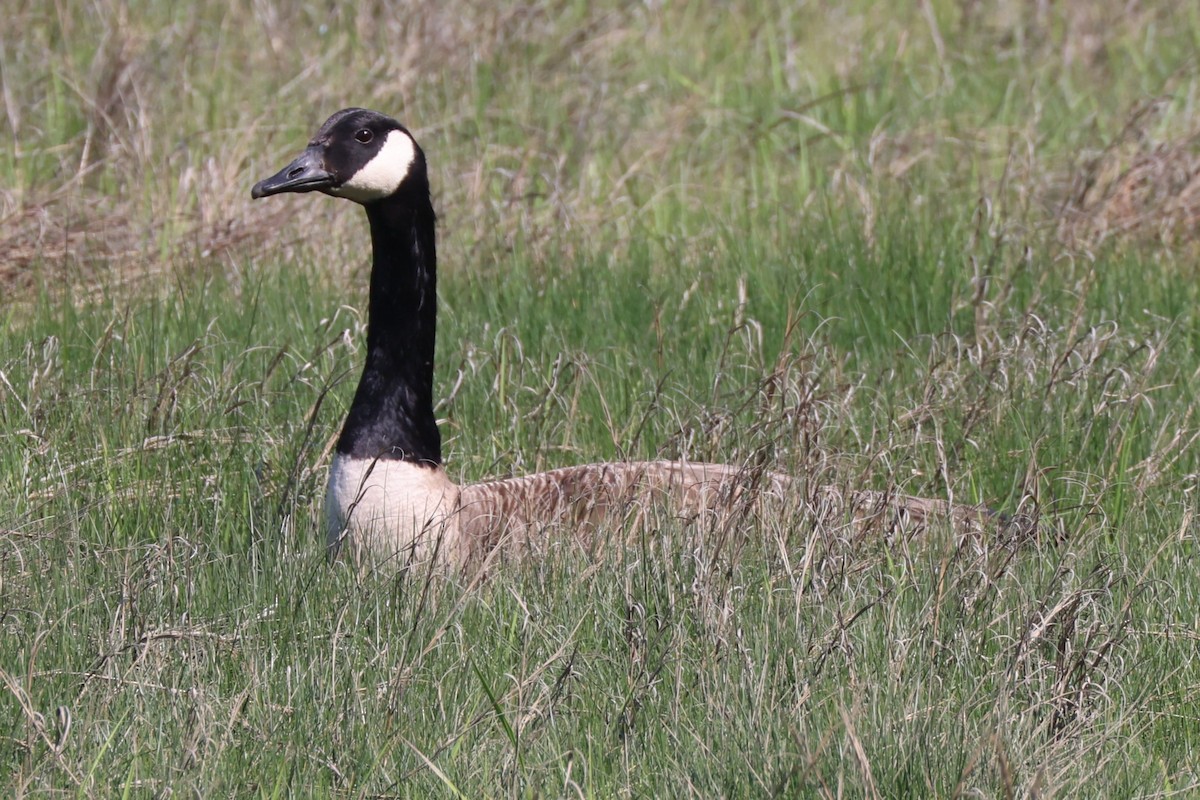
x=392, y=413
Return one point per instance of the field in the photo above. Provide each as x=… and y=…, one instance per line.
x=945, y=248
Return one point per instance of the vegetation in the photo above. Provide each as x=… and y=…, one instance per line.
x=947, y=248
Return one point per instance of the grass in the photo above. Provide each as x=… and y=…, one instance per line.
x=948, y=249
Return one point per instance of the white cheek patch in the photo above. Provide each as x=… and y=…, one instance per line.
x=382, y=175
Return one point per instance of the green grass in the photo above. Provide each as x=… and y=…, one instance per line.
x=846, y=240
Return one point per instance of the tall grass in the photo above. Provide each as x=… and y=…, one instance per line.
x=945, y=249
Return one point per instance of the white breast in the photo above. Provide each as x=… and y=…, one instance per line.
x=389, y=509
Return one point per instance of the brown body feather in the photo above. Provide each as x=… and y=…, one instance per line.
x=588, y=501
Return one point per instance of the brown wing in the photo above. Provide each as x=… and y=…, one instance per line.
x=521, y=512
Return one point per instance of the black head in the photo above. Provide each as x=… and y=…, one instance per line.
x=358, y=154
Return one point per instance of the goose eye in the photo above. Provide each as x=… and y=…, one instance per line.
x=364, y=135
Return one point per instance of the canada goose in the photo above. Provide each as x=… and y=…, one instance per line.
x=389, y=496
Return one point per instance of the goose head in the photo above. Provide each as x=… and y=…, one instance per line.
x=361, y=155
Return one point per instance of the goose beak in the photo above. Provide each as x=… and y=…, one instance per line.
x=306, y=174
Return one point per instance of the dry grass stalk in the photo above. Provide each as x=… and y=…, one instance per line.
x=1138, y=188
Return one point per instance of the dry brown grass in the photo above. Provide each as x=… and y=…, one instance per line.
x=135, y=136
x=1143, y=186
x=132, y=152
